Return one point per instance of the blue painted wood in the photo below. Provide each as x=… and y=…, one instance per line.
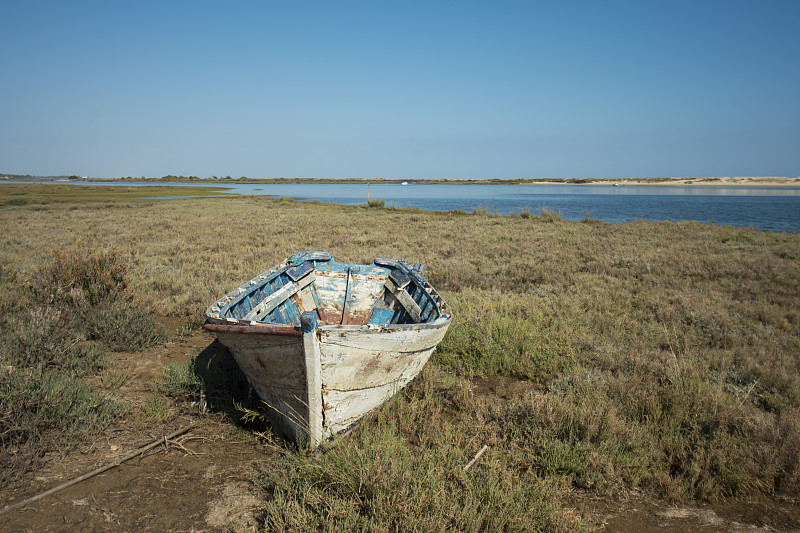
x=249, y=288
x=275, y=315
x=301, y=257
x=300, y=271
x=283, y=310
x=291, y=308
x=427, y=309
x=365, y=270
x=401, y=279
x=396, y=264
x=400, y=316
x=308, y=321
x=385, y=261
x=381, y=316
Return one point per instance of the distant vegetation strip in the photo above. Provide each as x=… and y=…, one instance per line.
x=15, y=193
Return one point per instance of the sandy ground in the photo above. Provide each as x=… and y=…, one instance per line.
x=704, y=182
x=202, y=480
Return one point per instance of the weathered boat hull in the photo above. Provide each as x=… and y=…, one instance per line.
x=335, y=362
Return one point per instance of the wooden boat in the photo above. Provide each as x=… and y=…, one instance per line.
x=323, y=343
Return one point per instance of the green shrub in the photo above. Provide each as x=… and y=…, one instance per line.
x=155, y=407
x=41, y=338
x=123, y=326
x=180, y=381
x=15, y=201
x=82, y=278
x=42, y=409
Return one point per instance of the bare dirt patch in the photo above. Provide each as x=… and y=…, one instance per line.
x=198, y=482
x=639, y=513
x=168, y=490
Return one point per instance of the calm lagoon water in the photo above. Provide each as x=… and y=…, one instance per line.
x=768, y=209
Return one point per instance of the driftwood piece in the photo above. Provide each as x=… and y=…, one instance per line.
x=157, y=442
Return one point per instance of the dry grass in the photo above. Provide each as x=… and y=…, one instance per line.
x=661, y=355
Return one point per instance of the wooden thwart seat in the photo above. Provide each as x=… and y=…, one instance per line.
x=396, y=285
x=266, y=306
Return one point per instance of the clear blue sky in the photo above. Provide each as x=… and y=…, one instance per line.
x=454, y=89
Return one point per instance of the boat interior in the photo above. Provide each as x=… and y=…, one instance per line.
x=387, y=292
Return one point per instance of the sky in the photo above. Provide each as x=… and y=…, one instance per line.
x=434, y=89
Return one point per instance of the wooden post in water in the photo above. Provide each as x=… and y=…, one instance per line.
x=308, y=324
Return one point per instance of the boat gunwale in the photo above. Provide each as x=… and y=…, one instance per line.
x=281, y=330
x=295, y=331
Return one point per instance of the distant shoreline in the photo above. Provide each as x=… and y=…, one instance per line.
x=648, y=182
x=704, y=182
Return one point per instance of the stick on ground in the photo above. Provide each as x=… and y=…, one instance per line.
x=100, y=470
x=477, y=456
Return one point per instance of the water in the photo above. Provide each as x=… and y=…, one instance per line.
x=768, y=209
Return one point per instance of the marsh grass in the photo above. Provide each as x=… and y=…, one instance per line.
x=123, y=326
x=659, y=356
x=182, y=381
x=403, y=469
x=587, y=219
x=155, y=407
x=493, y=333
x=547, y=214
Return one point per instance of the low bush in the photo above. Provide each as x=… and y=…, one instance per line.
x=15, y=201
x=81, y=278
x=123, y=326
x=56, y=325
x=181, y=382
